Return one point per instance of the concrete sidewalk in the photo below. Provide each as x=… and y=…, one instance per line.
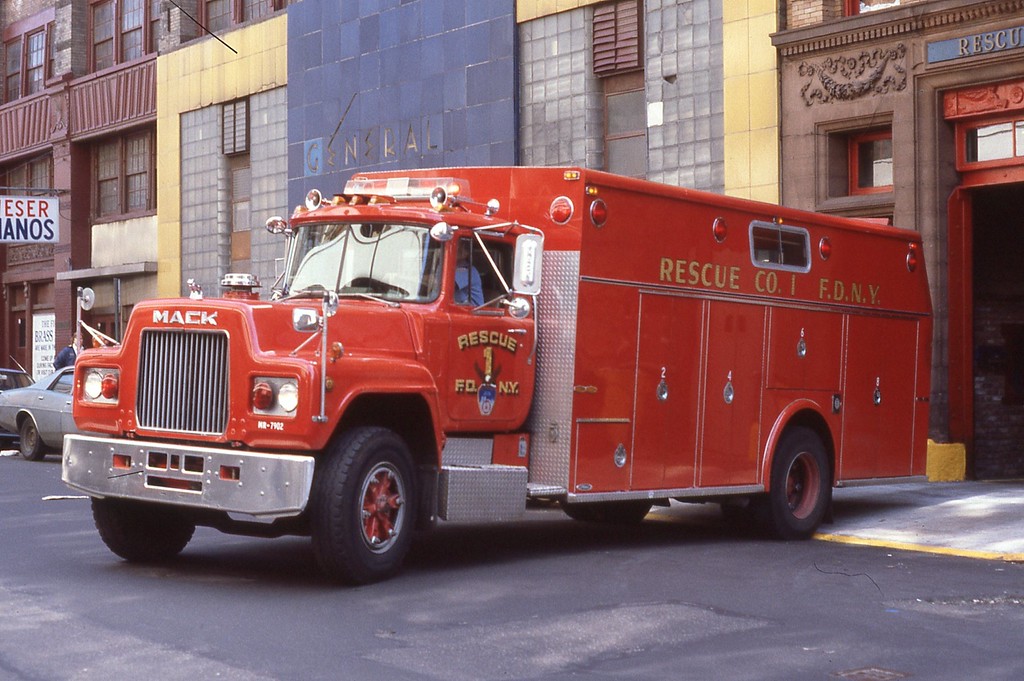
x=971, y=519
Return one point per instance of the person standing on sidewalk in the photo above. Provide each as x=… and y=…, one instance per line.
x=66, y=356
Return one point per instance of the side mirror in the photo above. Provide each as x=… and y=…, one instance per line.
x=305, y=319
x=519, y=308
x=529, y=253
x=442, y=231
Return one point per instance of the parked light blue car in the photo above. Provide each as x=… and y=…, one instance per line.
x=40, y=414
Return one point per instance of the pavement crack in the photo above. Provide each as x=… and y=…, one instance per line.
x=844, y=573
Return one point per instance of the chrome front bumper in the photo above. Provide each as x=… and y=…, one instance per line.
x=251, y=483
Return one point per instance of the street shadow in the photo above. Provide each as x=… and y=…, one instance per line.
x=449, y=547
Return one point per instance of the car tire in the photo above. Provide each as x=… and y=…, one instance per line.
x=30, y=444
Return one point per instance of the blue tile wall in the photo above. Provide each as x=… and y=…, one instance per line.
x=386, y=84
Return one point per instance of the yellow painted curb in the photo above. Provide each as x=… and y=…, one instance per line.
x=922, y=548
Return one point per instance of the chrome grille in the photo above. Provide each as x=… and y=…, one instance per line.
x=183, y=381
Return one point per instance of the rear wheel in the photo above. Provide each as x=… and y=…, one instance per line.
x=801, y=486
x=609, y=512
x=29, y=443
x=140, y=532
x=363, y=506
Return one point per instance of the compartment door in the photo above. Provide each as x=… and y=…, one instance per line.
x=732, y=396
x=879, y=398
x=667, y=384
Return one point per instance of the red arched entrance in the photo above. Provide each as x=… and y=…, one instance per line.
x=986, y=278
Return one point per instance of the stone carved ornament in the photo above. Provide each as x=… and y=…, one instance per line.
x=878, y=72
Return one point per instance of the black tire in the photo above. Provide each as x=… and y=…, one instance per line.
x=29, y=443
x=363, y=506
x=609, y=512
x=140, y=532
x=801, y=486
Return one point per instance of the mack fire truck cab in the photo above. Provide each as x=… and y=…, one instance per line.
x=407, y=367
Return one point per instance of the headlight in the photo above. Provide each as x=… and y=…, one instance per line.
x=288, y=397
x=102, y=385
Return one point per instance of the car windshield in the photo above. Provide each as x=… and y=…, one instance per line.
x=395, y=262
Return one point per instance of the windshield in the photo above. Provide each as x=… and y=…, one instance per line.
x=385, y=260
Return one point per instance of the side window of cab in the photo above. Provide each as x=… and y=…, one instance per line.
x=476, y=282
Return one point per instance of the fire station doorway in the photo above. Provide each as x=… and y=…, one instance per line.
x=987, y=226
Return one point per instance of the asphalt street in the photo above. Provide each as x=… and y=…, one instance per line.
x=685, y=595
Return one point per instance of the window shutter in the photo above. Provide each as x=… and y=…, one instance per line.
x=617, y=37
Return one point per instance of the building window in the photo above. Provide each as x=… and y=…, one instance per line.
x=870, y=162
x=626, y=125
x=219, y=15
x=241, y=192
x=103, y=35
x=124, y=172
x=34, y=174
x=133, y=15
x=28, y=62
x=994, y=142
x=154, y=26
x=617, y=37
x=617, y=60
x=257, y=9
x=853, y=7
x=235, y=127
x=235, y=145
x=123, y=30
x=36, y=60
x=12, y=70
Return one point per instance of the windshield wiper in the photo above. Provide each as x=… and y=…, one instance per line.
x=369, y=296
x=311, y=291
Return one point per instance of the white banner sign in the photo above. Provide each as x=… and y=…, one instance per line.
x=43, y=346
x=29, y=219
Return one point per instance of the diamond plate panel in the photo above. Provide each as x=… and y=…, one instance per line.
x=481, y=493
x=467, y=451
x=551, y=416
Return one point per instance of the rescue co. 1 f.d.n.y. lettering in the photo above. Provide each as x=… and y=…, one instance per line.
x=710, y=275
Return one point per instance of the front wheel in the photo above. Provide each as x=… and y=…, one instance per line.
x=801, y=486
x=29, y=442
x=363, y=506
x=140, y=532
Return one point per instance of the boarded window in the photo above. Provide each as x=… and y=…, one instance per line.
x=617, y=37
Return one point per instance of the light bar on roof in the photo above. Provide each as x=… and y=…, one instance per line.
x=402, y=188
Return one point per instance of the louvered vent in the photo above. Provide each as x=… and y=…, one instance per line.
x=616, y=37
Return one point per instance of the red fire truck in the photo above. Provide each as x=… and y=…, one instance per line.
x=449, y=344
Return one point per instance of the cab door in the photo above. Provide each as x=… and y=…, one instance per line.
x=491, y=359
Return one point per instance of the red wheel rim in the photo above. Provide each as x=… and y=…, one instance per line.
x=803, y=485
x=383, y=504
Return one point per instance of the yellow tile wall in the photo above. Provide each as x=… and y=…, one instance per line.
x=527, y=10
x=193, y=77
x=751, y=99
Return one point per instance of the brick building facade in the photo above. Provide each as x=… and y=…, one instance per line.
x=914, y=112
x=77, y=120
